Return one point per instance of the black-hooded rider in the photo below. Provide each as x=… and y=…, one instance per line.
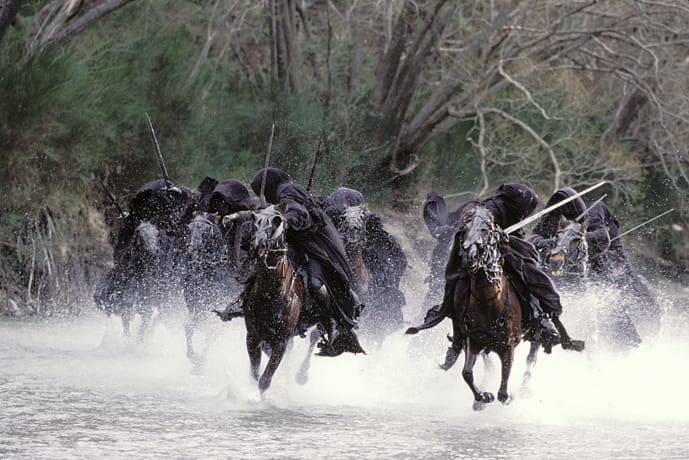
x=510, y=204
x=442, y=226
x=382, y=254
x=319, y=246
x=544, y=234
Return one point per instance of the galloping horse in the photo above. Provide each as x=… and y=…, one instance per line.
x=376, y=261
x=352, y=227
x=208, y=281
x=275, y=308
x=493, y=313
x=131, y=287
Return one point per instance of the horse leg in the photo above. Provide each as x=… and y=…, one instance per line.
x=530, y=363
x=253, y=347
x=190, y=325
x=470, y=356
x=278, y=348
x=146, y=321
x=189, y=333
x=126, y=320
x=506, y=358
x=303, y=374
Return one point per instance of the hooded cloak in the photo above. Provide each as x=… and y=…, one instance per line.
x=549, y=224
x=230, y=196
x=309, y=229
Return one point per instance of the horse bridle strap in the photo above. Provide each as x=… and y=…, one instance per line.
x=269, y=251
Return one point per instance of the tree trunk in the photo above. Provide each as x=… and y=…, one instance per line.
x=398, y=79
x=626, y=115
x=65, y=24
x=388, y=65
x=8, y=11
x=355, y=57
x=284, y=51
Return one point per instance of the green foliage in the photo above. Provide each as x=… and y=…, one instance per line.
x=76, y=114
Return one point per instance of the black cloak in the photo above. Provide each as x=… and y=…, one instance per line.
x=309, y=229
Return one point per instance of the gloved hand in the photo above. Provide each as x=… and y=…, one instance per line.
x=230, y=219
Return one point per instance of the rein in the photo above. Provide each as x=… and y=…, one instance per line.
x=264, y=257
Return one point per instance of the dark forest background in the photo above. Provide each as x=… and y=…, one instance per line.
x=404, y=96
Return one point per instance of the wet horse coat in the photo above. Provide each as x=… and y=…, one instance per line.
x=493, y=314
x=208, y=278
x=275, y=306
x=133, y=287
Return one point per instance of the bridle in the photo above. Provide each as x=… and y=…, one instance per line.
x=265, y=244
x=576, y=260
x=353, y=220
x=480, y=244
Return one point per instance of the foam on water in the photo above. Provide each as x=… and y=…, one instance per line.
x=78, y=387
x=648, y=381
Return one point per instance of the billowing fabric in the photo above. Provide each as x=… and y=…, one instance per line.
x=610, y=264
x=383, y=254
x=310, y=232
x=199, y=201
x=510, y=204
x=606, y=256
x=275, y=180
x=442, y=226
x=205, y=189
x=230, y=196
x=549, y=224
x=435, y=214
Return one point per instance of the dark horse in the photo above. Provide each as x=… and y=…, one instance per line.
x=208, y=278
x=376, y=262
x=567, y=262
x=493, y=314
x=131, y=287
x=275, y=308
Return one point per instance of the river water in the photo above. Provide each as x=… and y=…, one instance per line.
x=75, y=388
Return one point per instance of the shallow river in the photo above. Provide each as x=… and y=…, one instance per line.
x=77, y=389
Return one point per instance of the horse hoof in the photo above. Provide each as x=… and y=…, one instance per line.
x=504, y=399
x=525, y=391
x=575, y=345
x=487, y=397
x=302, y=378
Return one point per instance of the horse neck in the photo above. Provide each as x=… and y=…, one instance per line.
x=488, y=294
x=277, y=276
x=355, y=256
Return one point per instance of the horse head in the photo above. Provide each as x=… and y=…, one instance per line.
x=147, y=239
x=269, y=233
x=479, y=249
x=204, y=239
x=352, y=226
x=570, y=253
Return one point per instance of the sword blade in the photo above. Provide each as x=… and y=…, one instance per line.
x=580, y=216
x=262, y=196
x=643, y=223
x=536, y=216
x=158, y=153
